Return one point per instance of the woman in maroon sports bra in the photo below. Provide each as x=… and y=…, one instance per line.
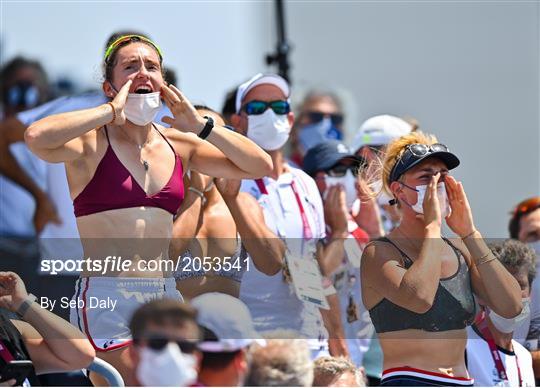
x=125, y=176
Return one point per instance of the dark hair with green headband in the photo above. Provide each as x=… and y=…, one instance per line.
x=112, y=50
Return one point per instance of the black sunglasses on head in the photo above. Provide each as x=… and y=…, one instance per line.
x=256, y=107
x=315, y=117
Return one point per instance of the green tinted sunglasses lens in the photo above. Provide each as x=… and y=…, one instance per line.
x=280, y=107
x=255, y=107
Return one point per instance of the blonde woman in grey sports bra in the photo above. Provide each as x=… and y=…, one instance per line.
x=417, y=285
x=216, y=259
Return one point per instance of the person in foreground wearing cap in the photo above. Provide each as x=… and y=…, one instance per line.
x=335, y=171
x=293, y=211
x=228, y=333
x=417, y=285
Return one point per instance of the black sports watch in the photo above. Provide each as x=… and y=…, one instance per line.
x=207, y=127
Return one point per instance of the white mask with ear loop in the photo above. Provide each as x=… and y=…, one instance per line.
x=348, y=182
x=268, y=130
x=168, y=367
x=142, y=109
x=441, y=194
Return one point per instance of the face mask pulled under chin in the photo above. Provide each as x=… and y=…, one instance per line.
x=268, y=130
x=168, y=367
x=441, y=194
x=142, y=109
x=349, y=185
x=507, y=325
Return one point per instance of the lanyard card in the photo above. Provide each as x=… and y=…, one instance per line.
x=307, y=280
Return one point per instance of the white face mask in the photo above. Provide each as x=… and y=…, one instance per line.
x=507, y=325
x=141, y=109
x=268, y=130
x=441, y=194
x=348, y=181
x=166, y=368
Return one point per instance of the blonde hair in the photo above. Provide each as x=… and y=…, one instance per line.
x=395, y=150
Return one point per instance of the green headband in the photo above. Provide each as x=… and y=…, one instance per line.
x=126, y=38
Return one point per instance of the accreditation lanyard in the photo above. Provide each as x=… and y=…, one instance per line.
x=306, y=228
x=501, y=370
x=5, y=353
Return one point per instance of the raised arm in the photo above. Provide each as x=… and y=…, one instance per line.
x=188, y=219
x=224, y=154
x=264, y=247
x=414, y=288
x=54, y=345
x=490, y=280
x=60, y=138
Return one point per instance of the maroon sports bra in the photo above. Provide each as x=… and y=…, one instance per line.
x=113, y=187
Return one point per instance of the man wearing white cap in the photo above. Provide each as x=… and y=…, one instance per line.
x=376, y=132
x=228, y=333
x=370, y=142
x=293, y=211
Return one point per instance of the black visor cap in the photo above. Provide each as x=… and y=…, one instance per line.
x=409, y=160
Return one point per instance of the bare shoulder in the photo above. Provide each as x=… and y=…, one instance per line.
x=380, y=251
x=176, y=135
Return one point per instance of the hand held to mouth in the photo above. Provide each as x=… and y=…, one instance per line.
x=461, y=219
x=186, y=118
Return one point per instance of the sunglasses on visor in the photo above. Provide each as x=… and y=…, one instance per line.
x=413, y=153
x=316, y=117
x=255, y=107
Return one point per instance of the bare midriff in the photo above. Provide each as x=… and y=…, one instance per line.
x=440, y=352
x=217, y=249
x=135, y=241
x=190, y=288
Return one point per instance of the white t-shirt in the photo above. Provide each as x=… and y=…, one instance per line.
x=272, y=302
x=62, y=241
x=482, y=368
